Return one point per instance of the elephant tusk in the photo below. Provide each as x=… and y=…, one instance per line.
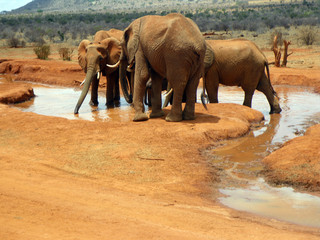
x=82, y=82
x=129, y=68
x=168, y=92
x=114, y=65
x=98, y=75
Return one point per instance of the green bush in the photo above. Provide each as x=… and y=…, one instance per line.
x=42, y=51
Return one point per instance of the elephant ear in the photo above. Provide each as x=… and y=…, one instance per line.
x=82, y=51
x=208, y=58
x=110, y=48
x=131, y=39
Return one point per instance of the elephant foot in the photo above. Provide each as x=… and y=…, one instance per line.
x=140, y=117
x=189, y=116
x=93, y=103
x=173, y=117
x=157, y=114
x=275, y=110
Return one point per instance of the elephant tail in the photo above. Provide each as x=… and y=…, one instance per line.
x=269, y=79
x=204, y=96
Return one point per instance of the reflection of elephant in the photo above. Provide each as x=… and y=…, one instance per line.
x=238, y=62
x=93, y=58
x=169, y=47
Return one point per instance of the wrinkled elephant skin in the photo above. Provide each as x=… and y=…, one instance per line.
x=170, y=47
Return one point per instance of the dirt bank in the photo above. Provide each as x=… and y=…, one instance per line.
x=77, y=179
x=297, y=163
x=15, y=92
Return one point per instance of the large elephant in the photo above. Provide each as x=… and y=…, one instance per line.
x=238, y=62
x=170, y=47
x=97, y=58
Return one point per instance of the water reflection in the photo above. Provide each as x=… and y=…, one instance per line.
x=241, y=158
x=60, y=102
x=281, y=203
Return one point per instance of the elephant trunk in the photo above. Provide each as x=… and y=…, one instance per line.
x=89, y=76
x=124, y=81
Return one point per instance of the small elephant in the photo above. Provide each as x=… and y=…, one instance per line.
x=170, y=47
x=96, y=58
x=238, y=62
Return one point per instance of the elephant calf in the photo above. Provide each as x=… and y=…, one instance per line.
x=238, y=62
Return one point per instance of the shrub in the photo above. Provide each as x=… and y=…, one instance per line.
x=14, y=42
x=308, y=35
x=42, y=51
x=66, y=53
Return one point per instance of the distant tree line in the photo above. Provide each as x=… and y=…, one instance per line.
x=59, y=27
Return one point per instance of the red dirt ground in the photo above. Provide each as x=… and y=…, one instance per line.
x=73, y=179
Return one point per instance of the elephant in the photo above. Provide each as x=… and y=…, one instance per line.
x=170, y=47
x=100, y=57
x=148, y=92
x=102, y=34
x=236, y=62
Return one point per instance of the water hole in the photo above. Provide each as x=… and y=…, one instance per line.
x=241, y=158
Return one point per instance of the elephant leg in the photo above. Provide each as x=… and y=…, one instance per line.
x=212, y=85
x=265, y=87
x=110, y=87
x=116, y=87
x=191, y=96
x=248, y=94
x=141, y=77
x=178, y=83
x=156, y=95
x=94, y=91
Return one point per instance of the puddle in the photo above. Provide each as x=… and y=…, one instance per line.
x=283, y=204
x=241, y=158
x=60, y=102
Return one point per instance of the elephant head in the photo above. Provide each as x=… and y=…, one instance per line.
x=129, y=44
x=96, y=58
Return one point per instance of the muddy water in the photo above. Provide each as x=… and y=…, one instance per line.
x=241, y=158
x=60, y=102
x=241, y=187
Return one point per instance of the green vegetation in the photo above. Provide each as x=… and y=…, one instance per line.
x=42, y=51
x=60, y=27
